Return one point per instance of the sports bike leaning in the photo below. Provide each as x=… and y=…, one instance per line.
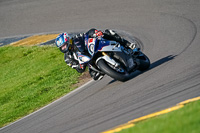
x=111, y=58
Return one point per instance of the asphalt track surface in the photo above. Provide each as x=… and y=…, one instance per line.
x=169, y=30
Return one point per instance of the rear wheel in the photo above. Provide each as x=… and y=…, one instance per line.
x=144, y=62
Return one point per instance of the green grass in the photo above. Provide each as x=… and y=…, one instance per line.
x=31, y=77
x=184, y=120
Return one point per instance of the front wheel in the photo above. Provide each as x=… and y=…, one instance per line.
x=116, y=74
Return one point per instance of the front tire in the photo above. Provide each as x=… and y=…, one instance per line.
x=111, y=72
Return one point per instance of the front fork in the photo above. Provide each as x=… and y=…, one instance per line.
x=107, y=58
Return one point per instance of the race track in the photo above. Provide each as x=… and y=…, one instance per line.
x=169, y=31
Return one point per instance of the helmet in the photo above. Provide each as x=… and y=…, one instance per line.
x=63, y=42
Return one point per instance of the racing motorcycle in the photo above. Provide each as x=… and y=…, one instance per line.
x=111, y=58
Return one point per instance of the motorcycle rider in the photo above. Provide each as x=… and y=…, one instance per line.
x=66, y=45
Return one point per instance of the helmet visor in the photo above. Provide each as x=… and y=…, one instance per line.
x=60, y=41
x=65, y=46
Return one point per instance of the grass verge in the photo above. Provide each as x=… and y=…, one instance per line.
x=31, y=77
x=184, y=120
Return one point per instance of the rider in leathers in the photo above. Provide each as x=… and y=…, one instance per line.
x=80, y=39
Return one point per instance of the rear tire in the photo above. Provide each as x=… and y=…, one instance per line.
x=144, y=62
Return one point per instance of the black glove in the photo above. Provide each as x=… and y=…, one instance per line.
x=74, y=64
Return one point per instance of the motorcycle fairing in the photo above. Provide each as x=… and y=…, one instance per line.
x=94, y=45
x=106, y=45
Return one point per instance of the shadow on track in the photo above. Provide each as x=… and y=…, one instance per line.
x=152, y=66
x=162, y=61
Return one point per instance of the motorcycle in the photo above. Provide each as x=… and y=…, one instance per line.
x=111, y=58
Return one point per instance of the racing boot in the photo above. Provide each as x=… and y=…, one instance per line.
x=112, y=35
x=131, y=45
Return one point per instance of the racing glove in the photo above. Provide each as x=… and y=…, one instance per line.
x=74, y=64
